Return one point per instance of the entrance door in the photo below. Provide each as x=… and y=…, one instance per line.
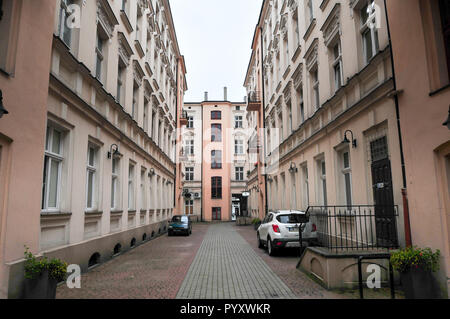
x=383, y=195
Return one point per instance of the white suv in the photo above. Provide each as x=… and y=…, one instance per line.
x=280, y=229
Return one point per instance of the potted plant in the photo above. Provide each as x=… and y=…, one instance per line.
x=416, y=267
x=256, y=222
x=42, y=276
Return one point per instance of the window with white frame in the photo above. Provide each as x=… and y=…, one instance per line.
x=190, y=123
x=131, y=198
x=99, y=56
x=310, y=11
x=142, y=189
x=134, y=105
x=239, y=173
x=238, y=123
x=337, y=66
x=347, y=177
x=289, y=110
x=322, y=182
x=189, y=174
x=238, y=146
x=305, y=186
x=115, y=178
x=64, y=14
x=188, y=207
x=54, y=157
x=189, y=147
x=120, y=82
x=315, y=87
x=368, y=30
x=91, y=177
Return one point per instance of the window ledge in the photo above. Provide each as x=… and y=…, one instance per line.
x=116, y=212
x=93, y=212
x=55, y=214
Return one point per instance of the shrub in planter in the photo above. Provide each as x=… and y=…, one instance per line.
x=256, y=222
x=42, y=276
x=416, y=267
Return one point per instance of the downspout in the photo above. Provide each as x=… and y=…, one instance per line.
x=266, y=208
x=408, y=239
x=176, y=146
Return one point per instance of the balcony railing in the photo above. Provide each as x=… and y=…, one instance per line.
x=254, y=101
x=359, y=227
x=184, y=118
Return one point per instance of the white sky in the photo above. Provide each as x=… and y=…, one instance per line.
x=215, y=38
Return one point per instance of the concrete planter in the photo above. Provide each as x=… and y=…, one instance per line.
x=420, y=284
x=41, y=287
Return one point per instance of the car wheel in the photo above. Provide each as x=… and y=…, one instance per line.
x=190, y=231
x=260, y=243
x=270, y=248
x=169, y=233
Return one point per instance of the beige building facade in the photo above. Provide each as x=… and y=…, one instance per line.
x=215, y=160
x=322, y=73
x=107, y=162
x=422, y=73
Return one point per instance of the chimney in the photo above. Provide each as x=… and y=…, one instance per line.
x=225, y=94
x=206, y=96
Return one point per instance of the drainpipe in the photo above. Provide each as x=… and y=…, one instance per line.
x=408, y=239
x=266, y=208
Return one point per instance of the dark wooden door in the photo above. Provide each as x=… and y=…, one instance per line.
x=386, y=230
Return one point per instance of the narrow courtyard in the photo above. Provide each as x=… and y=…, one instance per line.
x=218, y=261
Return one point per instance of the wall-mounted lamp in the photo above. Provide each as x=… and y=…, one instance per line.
x=269, y=179
x=113, y=151
x=2, y=109
x=446, y=123
x=293, y=168
x=151, y=172
x=347, y=141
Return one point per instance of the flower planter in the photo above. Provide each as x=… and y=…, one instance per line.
x=420, y=284
x=41, y=287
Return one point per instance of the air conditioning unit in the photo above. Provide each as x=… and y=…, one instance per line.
x=197, y=196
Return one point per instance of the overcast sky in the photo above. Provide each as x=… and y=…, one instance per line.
x=215, y=38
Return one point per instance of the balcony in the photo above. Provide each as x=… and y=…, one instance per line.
x=254, y=101
x=183, y=119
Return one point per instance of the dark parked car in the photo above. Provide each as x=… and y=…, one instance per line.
x=180, y=224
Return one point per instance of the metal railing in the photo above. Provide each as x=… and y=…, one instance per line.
x=356, y=227
x=254, y=97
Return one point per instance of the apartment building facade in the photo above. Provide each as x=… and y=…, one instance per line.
x=422, y=73
x=320, y=76
x=215, y=160
x=23, y=94
x=109, y=142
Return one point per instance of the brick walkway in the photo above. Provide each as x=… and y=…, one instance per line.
x=227, y=267
x=154, y=270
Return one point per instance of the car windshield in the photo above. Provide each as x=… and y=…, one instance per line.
x=288, y=219
x=179, y=219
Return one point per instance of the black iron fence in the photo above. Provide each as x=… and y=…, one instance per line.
x=358, y=227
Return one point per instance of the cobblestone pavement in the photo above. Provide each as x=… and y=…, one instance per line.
x=154, y=270
x=226, y=267
x=284, y=266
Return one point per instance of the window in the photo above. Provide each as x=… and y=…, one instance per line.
x=337, y=66
x=347, y=177
x=216, y=115
x=9, y=31
x=444, y=7
x=239, y=173
x=120, y=82
x=216, y=187
x=289, y=110
x=134, y=105
x=131, y=201
x=146, y=117
x=189, y=147
x=52, y=169
x=115, y=183
x=238, y=147
x=301, y=104
x=216, y=159
x=315, y=88
x=99, y=56
x=125, y=6
x=216, y=213
x=143, y=193
x=322, y=182
x=64, y=13
x=305, y=186
x=238, y=121
x=190, y=123
x=310, y=11
x=189, y=207
x=280, y=127
x=369, y=31
x=216, y=132
x=238, y=108
x=189, y=174
x=91, y=177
